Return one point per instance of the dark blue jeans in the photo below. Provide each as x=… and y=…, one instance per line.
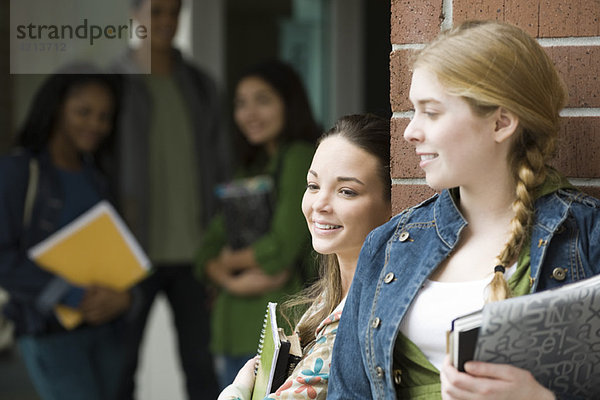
x=227, y=367
x=188, y=300
x=80, y=364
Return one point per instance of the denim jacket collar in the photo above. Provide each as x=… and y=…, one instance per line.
x=551, y=212
x=449, y=220
x=446, y=218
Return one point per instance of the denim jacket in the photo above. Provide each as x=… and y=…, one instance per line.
x=399, y=256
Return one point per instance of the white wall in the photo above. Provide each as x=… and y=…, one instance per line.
x=159, y=375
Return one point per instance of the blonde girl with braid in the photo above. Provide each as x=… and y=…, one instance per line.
x=486, y=116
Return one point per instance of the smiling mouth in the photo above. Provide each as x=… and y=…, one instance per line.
x=326, y=226
x=254, y=128
x=427, y=157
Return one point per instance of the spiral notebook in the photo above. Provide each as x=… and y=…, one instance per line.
x=279, y=355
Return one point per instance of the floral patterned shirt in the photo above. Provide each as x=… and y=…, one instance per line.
x=309, y=378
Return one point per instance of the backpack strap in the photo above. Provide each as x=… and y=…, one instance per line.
x=32, y=185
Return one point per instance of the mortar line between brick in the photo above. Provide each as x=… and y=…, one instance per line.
x=408, y=181
x=403, y=114
x=585, y=181
x=570, y=41
x=408, y=46
x=448, y=14
x=544, y=42
x=580, y=112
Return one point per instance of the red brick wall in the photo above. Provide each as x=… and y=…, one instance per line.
x=570, y=33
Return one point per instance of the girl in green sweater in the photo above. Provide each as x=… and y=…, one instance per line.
x=273, y=116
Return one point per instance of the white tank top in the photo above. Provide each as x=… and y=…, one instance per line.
x=430, y=315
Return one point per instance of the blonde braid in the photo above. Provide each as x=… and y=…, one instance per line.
x=530, y=173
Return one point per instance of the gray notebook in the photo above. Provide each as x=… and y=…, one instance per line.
x=555, y=334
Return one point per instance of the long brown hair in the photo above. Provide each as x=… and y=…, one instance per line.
x=372, y=134
x=491, y=64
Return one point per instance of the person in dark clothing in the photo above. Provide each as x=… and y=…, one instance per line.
x=169, y=155
x=48, y=181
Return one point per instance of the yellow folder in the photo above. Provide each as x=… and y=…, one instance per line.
x=95, y=248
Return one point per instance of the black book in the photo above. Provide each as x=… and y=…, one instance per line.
x=247, y=206
x=464, y=332
x=555, y=334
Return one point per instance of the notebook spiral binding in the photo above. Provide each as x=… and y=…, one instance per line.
x=261, y=341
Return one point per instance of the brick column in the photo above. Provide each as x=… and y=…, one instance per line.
x=570, y=33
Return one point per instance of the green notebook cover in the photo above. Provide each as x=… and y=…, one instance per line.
x=275, y=361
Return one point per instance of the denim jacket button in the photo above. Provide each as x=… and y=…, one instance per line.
x=388, y=277
x=397, y=376
x=376, y=323
x=403, y=236
x=559, y=273
x=379, y=372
